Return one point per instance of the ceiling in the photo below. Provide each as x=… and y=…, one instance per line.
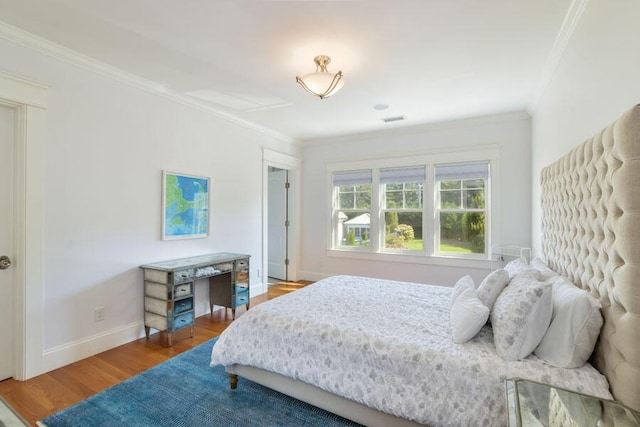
x=428, y=60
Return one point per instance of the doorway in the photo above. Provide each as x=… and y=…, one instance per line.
x=280, y=207
x=7, y=120
x=26, y=100
x=278, y=225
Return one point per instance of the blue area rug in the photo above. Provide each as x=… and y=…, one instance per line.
x=185, y=391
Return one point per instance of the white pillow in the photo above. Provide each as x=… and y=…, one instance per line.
x=517, y=266
x=467, y=316
x=461, y=285
x=574, y=328
x=521, y=315
x=491, y=287
x=545, y=272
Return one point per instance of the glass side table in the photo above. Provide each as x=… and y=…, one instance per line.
x=534, y=404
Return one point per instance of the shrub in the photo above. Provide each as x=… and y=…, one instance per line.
x=351, y=238
x=405, y=231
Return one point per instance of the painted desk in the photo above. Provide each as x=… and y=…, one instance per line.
x=169, y=289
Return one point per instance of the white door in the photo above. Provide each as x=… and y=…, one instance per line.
x=277, y=215
x=6, y=240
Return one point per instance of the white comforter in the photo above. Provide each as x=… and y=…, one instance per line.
x=387, y=345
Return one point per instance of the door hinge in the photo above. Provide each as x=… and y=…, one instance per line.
x=286, y=223
x=286, y=261
x=287, y=185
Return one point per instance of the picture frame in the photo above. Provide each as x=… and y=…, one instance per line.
x=185, y=206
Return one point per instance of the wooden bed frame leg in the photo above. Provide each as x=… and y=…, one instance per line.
x=233, y=381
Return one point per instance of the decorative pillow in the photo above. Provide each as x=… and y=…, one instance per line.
x=517, y=266
x=545, y=272
x=574, y=328
x=461, y=285
x=521, y=315
x=467, y=316
x=491, y=287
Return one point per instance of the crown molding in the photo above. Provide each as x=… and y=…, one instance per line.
x=571, y=20
x=41, y=45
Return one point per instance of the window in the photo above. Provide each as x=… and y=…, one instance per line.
x=403, y=207
x=352, y=213
x=461, y=214
x=430, y=209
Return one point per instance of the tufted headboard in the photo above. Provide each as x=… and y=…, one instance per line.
x=591, y=234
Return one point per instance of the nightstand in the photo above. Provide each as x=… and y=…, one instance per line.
x=534, y=404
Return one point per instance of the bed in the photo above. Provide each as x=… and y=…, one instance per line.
x=345, y=358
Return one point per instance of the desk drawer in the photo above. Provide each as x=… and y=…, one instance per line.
x=183, y=305
x=179, y=322
x=183, y=275
x=240, y=298
x=225, y=268
x=242, y=264
x=182, y=290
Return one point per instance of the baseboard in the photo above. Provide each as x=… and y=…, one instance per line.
x=257, y=289
x=312, y=275
x=66, y=354
x=72, y=352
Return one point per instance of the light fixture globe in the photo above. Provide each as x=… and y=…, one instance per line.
x=321, y=83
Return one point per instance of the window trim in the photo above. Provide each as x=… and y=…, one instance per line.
x=463, y=154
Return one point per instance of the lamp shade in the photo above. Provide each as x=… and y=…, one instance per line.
x=321, y=83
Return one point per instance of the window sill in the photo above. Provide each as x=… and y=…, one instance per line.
x=440, y=260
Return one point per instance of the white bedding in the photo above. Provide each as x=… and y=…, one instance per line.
x=387, y=345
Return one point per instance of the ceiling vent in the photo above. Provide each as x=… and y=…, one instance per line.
x=393, y=119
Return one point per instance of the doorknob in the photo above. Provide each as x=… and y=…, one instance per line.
x=5, y=262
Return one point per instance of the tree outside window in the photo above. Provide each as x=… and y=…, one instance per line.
x=462, y=207
x=403, y=190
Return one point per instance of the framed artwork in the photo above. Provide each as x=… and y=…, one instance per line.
x=185, y=206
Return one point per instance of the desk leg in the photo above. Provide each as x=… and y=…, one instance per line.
x=247, y=306
x=170, y=339
x=233, y=313
x=191, y=330
x=147, y=330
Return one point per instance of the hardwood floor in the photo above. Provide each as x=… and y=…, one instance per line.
x=48, y=393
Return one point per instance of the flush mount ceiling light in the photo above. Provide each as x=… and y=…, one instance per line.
x=321, y=83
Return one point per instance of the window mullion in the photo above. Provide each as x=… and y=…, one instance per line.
x=377, y=237
x=430, y=215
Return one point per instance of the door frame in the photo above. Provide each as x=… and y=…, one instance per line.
x=29, y=101
x=292, y=164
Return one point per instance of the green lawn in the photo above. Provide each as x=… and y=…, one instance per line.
x=444, y=247
x=414, y=245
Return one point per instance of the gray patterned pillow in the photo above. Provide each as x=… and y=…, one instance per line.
x=521, y=315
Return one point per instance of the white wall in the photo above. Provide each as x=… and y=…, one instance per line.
x=511, y=131
x=106, y=145
x=597, y=79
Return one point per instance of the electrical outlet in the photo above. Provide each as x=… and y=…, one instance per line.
x=98, y=314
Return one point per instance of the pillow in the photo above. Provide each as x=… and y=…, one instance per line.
x=521, y=315
x=517, y=266
x=491, y=287
x=467, y=316
x=465, y=282
x=574, y=327
x=545, y=272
